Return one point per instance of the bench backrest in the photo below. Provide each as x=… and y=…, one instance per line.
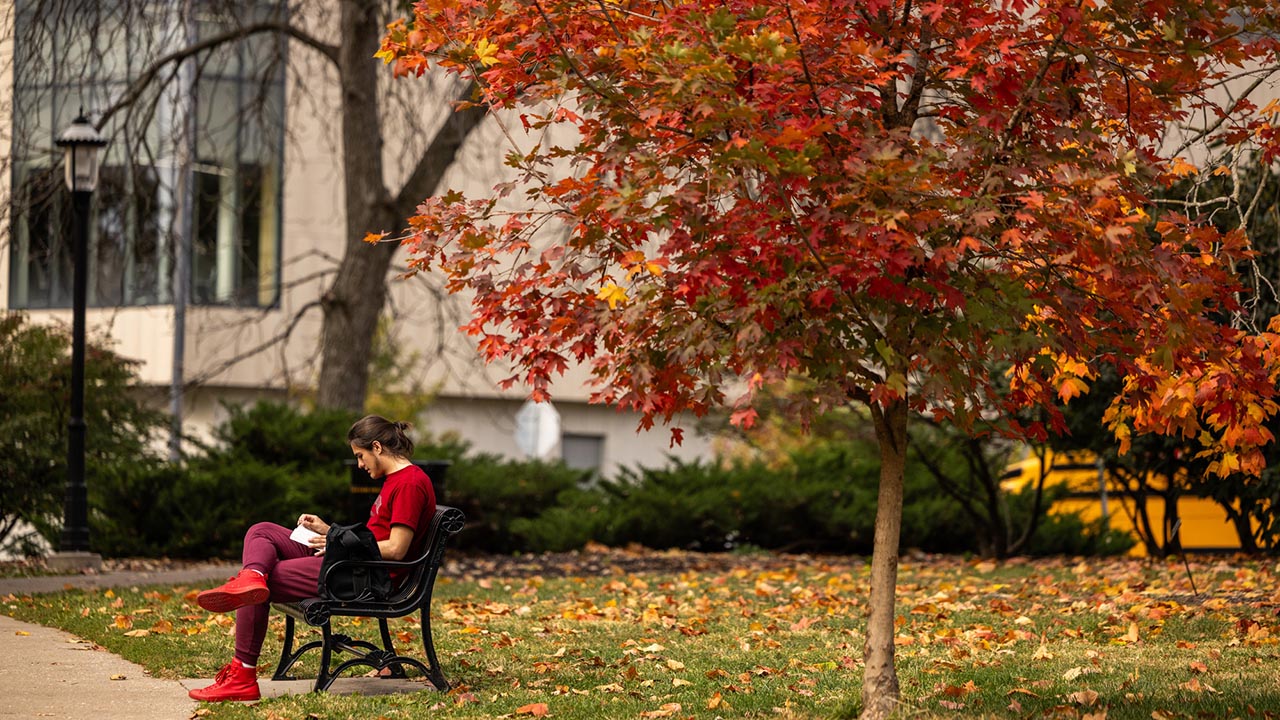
x=415, y=587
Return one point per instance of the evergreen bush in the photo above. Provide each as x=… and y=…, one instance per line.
x=35, y=375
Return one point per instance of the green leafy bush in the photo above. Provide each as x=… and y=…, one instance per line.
x=1069, y=534
x=35, y=377
x=495, y=493
x=824, y=500
x=269, y=462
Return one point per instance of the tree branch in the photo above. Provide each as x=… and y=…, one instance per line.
x=440, y=154
x=149, y=74
x=277, y=339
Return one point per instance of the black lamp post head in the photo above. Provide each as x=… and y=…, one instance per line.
x=81, y=142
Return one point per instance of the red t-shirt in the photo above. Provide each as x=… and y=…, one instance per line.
x=408, y=499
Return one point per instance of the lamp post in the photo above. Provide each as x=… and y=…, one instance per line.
x=81, y=142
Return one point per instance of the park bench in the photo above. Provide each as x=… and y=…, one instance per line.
x=412, y=594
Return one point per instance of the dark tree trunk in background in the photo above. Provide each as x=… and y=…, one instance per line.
x=354, y=303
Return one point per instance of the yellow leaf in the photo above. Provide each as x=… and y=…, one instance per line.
x=137, y=633
x=23, y=633
x=386, y=55
x=613, y=295
x=487, y=53
x=1130, y=162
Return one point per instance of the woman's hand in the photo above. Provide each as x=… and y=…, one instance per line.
x=316, y=525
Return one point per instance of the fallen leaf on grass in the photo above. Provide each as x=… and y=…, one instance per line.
x=1199, y=667
x=1194, y=685
x=1083, y=697
x=137, y=633
x=960, y=690
x=667, y=710
x=534, y=709
x=1021, y=691
x=1076, y=672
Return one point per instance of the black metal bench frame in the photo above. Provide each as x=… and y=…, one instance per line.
x=413, y=594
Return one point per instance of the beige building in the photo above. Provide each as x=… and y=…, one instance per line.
x=235, y=174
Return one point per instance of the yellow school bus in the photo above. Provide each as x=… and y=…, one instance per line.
x=1092, y=493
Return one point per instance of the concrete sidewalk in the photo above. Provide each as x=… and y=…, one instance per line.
x=47, y=673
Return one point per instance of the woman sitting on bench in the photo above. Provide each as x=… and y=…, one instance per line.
x=277, y=568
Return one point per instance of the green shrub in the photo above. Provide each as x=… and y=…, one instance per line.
x=1069, y=534
x=35, y=374
x=495, y=493
x=824, y=500
x=270, y=462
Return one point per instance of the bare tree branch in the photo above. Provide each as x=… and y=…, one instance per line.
x=440, y=154
x=148, y=75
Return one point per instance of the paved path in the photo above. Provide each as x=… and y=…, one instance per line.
x=47, y=673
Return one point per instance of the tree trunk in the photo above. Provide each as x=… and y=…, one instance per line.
x=353, y=304
x=880, y=679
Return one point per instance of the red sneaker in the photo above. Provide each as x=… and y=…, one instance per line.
x=246, y=588
x=234, y=682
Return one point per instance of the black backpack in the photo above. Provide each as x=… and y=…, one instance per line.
x=352, y=583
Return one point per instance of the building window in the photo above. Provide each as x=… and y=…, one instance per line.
x=582, y=452
x=227, y=160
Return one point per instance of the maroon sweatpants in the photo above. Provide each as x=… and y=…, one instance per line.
x=292, y=570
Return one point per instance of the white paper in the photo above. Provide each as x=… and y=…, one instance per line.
x=303, y=535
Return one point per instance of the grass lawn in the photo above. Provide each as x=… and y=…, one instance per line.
x=777, y=637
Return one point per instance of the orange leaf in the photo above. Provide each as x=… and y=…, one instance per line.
x=534, y=709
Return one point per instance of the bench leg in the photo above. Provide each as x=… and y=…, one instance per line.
x=397, y=670
x=289, y=656
x=434, y=674
x=323, y=678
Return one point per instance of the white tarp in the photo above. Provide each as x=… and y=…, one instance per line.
x=538, y=430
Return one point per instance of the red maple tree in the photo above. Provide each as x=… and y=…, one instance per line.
x=886, y=198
